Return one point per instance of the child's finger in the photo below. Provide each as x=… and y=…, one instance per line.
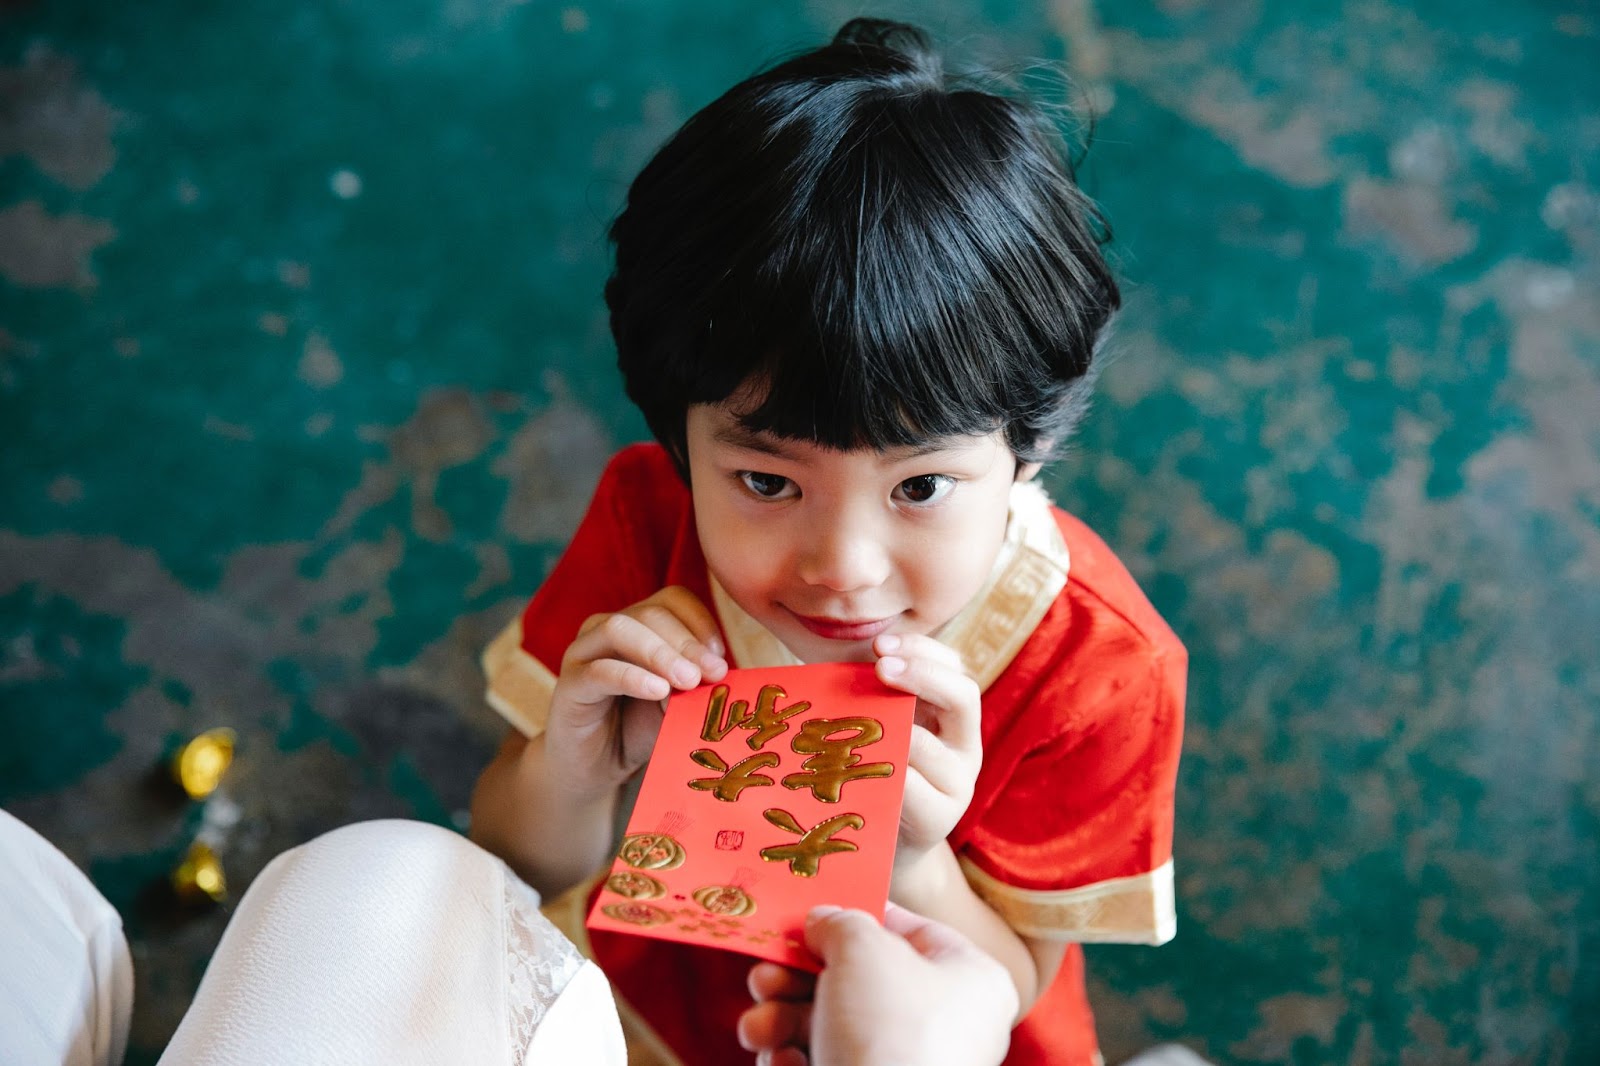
x=948, y=769
x=597, y=684
x=694, y=614
x=918, y=646
x=640, y=724
x=622, y=636
x=696, y=618
x=661, y=619
x=951, y=694
x=925, y=805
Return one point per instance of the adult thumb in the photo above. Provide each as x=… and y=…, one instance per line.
x=932, y=940
x=833, y=931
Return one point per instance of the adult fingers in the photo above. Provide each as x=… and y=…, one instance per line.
x=834, y=933
x=932, y=940
x=768, y=980
x=987, y=988
x=773, y=1025
x=787, y=1056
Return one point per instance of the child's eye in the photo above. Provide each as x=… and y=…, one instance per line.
x=925, y=488
x=767, y=486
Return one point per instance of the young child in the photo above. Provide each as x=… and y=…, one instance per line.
x=858, y=308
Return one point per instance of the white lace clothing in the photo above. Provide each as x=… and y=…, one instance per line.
x=395, y=943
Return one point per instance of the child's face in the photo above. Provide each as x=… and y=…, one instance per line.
x=828, y=549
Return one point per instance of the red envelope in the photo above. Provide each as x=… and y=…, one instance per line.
x=767, y=794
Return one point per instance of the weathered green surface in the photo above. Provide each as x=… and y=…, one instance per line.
x=304, y=377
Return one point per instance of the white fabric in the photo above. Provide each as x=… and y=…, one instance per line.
x=66, y=979
x=395, y=943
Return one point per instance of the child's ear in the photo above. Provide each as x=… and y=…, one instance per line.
x=1026, y=471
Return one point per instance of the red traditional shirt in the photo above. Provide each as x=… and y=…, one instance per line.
x=1069, y=833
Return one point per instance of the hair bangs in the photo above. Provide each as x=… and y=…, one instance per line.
x=918, y=314
x=849, y=251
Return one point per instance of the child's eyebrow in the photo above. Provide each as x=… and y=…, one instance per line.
x=736, y=435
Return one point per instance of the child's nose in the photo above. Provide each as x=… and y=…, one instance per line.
x=845, y=558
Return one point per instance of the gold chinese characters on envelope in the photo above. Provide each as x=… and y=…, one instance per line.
x=768, y=793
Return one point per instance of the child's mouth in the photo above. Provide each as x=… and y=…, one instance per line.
x=847, y=629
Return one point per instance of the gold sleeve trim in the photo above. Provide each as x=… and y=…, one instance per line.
x=1124, y=910
x=519, y=686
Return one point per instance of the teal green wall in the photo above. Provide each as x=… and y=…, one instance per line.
x=304, y=376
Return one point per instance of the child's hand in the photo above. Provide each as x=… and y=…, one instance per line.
x=615, y=678
x=946, y=741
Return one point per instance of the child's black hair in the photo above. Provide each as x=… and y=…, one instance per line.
x=884, y=256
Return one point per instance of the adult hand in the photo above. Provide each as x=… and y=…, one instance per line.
x=911, y=991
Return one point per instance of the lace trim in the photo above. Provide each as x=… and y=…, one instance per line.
x=540, y=962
